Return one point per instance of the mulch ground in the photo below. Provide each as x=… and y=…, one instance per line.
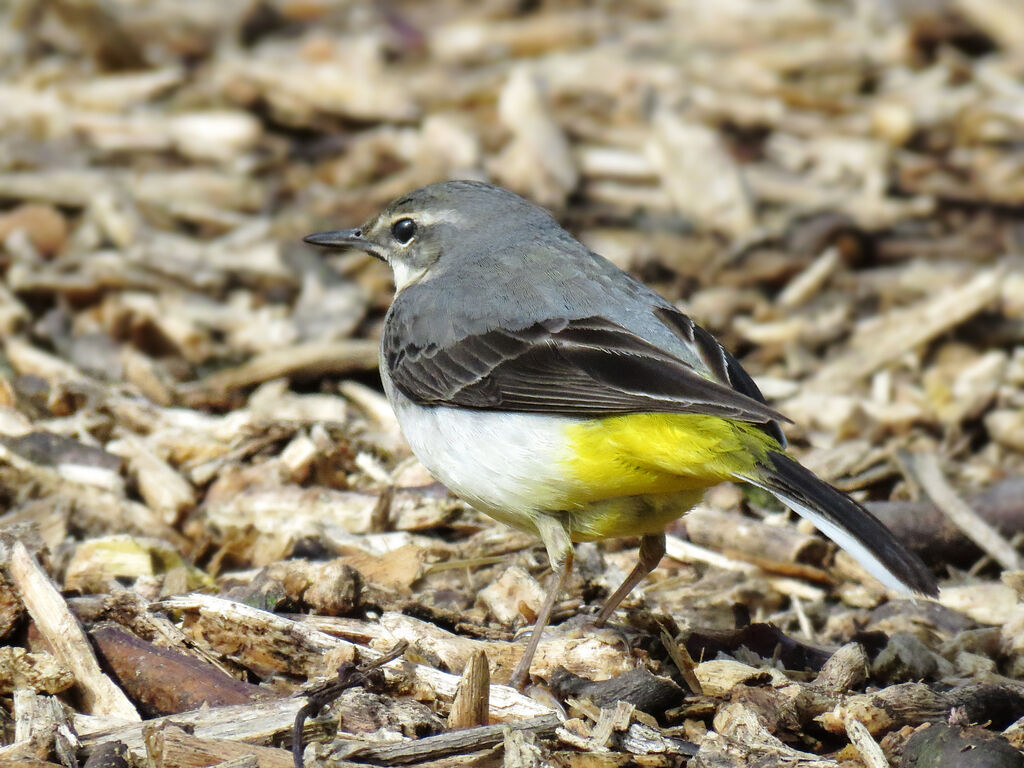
x=208, y=516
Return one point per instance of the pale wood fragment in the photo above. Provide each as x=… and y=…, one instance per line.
x=471, y=701
x=684, y=663
x=65, y=636
x=702, y=180
x=879, y=342
x=929, y=474
x=866, y=746
x=683, y=550
x=845, y=669
x=165, y=491
x=39, y=672
x=740, y=738
x=521, y=750
x=452, y=743
x=888, y=709
x=29, y=359
x=810, y=281
x=537, y=161
x=512, y=592
x=256, y=723
x=169, y=746
x=473, y=40
x=613, y=719
x=984, y=602
x=40, y=727
x=596, y=653
x=680, y=549
x=1006, y=426
x=373, y=403
x=719, y=676
x=645, y=739
x=773, y=547
x=309, y=360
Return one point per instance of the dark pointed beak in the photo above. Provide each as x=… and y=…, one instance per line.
x=345, y=238
x=338, y=238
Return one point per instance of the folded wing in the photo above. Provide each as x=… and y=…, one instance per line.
x=581, y=367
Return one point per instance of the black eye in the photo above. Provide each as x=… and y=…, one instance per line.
x=404, y=230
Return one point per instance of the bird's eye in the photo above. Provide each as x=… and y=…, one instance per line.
x=404, y=230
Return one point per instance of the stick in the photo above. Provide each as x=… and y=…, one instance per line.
x=926, y=468
x=453, y=742
x=62, y=631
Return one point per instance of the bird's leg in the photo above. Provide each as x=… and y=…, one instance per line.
x=560, y=555
x=652, y=549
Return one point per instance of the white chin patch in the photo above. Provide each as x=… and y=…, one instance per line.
x=404, y=274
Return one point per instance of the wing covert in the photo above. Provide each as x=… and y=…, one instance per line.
x=582, y=367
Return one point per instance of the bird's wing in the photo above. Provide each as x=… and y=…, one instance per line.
x=584, y=367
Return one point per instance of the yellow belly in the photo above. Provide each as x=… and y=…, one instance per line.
x=634, y=474
x=629, y=515
x=659, y=453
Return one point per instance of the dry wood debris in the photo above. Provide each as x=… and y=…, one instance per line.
x=206, y=507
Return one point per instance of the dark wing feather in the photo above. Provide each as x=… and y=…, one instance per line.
x=584, y=367
x=724, y=366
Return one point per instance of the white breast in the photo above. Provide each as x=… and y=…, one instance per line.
x=508, y=465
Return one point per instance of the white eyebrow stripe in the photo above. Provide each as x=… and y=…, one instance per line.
x=448, y=216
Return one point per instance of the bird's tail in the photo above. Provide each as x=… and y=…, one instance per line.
x=844, y=521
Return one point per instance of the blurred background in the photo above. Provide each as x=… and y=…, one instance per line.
x=834, y=188
x=715, y=148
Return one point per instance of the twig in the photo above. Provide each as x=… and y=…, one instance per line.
x=684, y=663
x=453, y=742
x=926, y=468
x=876, y=344
x=308, y=360
x=349, y=676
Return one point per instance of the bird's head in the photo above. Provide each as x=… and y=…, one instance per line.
x=442, y=222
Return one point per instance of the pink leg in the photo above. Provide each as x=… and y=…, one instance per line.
x=652, y=549
x=522, y=672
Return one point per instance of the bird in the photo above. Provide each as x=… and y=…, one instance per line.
x=557, y=394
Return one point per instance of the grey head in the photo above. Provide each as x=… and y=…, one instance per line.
x=469, y=257
x=434, y=227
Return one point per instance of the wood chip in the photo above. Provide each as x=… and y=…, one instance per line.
x=877, y=344
x=65, y=636
x=505, y=703
x=870, y=753
x=470, y=705
x=700, y=177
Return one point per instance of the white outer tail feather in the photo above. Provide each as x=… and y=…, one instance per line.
x=844, y=539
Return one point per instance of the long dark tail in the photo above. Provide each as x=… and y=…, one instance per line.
x=846, y=522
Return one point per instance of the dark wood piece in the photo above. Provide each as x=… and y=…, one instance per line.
x=163, y=681
x=639, y=687
x=948, y=746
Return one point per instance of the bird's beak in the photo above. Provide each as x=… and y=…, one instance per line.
x=345, y=238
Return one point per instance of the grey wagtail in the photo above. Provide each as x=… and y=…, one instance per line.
x=559, y=395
